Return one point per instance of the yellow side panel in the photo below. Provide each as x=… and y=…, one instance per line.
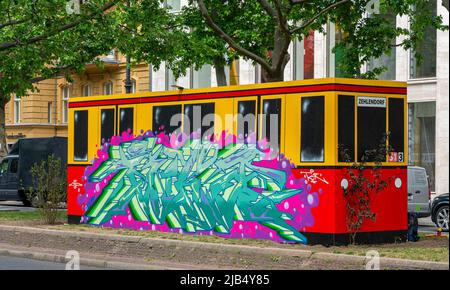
x=93, y=133
x=224, y=111
x=292, y=132
x=70, y=135
x=144, y=120
x=331, y=129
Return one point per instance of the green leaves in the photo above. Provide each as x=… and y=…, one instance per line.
x=40, y=38
x=371, y=36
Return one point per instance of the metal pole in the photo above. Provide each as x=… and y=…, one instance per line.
x=128, y=83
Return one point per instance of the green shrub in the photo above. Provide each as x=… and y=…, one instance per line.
x=49, y=187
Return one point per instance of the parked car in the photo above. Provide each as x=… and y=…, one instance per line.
x=439, y=211
x=419, y=192
x=15, y=175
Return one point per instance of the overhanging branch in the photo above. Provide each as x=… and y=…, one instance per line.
x=323, y=11
x=228, y=39
x=45, y=36
x=13, y=22
x=268, y=8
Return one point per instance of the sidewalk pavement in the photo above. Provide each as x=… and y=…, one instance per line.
x=156, y=253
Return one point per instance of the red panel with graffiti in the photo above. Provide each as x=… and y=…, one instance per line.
x=75, y=188
x=389, y=205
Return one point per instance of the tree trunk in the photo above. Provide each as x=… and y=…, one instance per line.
x=280, y=58
x=221, y=75
x=3, y=146
x=266, y=77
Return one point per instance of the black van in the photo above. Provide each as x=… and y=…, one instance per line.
x=15, y=176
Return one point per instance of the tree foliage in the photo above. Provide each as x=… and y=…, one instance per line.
x=372, y=35
x=261, y=30
x=150, y=32
x=39, y=39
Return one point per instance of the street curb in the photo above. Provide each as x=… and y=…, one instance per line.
x=177, y=243
x=83, y=261
x=413, y=264
x=331, y=257
x=238, y=250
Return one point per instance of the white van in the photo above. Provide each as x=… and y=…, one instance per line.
x=419, y=193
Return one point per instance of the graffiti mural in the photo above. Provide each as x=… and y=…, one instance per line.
x=230, y=189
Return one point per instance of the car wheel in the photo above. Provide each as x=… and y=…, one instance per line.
x=442, y=218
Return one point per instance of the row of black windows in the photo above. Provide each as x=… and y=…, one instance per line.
x=371, y=124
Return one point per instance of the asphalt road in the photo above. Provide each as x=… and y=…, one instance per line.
x=426, y=226
x=15, y=263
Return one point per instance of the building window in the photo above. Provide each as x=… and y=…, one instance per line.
x=338, y=51
x=108, y=88
x=247, y=72
x=49, y=112
x=427, y=49
x=308, y=56
x=159, y=78
x=17, y=111
x=112, y=54
x=387, y=60
x=214, y=75
x=86, y=91
x=182, y=81
x=202, y=77
x=422, y=137
x=65, y=103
